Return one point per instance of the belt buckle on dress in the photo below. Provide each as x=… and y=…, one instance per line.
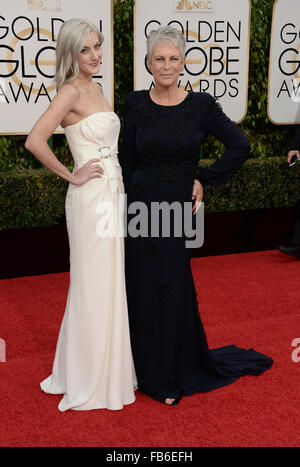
x=107, y=155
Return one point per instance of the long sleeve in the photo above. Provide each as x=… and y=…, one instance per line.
x=295, y=144
x=128, y=152
x=237, y=149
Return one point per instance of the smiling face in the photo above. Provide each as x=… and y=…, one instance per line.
x=165, y=64
x=90, y=57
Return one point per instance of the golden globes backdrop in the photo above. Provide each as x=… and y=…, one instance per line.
x=28, y=31
x=284, y=68
x=217, y=56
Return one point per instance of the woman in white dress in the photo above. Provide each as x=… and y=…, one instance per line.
x=93, y=366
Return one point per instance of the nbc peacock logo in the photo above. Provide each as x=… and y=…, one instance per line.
x=50, y=5
x=200, y=6
x=184, y=5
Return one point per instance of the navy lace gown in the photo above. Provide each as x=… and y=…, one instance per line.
x=159, y=158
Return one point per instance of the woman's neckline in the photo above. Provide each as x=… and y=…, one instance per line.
x=88, y=116
x=168, y=106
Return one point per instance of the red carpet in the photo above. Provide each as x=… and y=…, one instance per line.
x=250, y=300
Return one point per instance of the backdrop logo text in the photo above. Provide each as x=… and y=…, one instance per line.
x=200, y=6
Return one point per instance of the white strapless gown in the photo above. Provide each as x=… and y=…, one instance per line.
x=93, y=364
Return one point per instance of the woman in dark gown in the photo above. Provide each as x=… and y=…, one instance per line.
x=163, y=131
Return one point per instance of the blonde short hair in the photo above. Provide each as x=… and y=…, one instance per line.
x=70, y=41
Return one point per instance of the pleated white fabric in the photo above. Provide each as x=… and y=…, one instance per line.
x=93, y=364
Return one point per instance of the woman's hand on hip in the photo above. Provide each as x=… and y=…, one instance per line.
x=197, y=195
x=88, y=171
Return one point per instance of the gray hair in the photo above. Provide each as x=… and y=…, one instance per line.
x=166, y=33
x=70, y=41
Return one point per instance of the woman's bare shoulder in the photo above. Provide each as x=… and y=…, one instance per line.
x=68, y=91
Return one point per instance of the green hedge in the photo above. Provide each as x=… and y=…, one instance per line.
x=259, y=184
x=32, y=198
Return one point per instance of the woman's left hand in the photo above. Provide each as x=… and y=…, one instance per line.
x=197, y=195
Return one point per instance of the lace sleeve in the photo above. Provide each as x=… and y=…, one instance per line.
x=217, y=124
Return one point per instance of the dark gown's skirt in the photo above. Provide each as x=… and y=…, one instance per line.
x=171, y=355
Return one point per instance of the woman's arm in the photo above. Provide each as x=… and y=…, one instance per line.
x=237, y=148
x=36, y=141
